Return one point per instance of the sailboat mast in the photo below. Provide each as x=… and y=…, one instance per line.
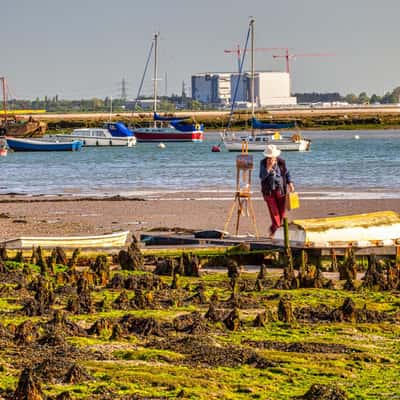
x=155, y=75
x=3, y=84
x=252, y=21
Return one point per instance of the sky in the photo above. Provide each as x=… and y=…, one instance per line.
x=84, y=48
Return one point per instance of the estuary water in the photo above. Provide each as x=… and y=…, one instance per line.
x=337, y=163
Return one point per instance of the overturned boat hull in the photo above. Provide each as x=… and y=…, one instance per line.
x=360, y=230
x=116, y=239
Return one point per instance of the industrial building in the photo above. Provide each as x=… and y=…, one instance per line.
x=270, y=88
x=212, y=88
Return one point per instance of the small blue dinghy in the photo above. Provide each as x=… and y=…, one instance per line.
x=25, y=144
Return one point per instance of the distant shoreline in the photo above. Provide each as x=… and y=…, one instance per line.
x=332, y=118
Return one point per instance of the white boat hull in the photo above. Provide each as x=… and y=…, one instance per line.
x=361, y=230
x=117, y=239
x=283, y=145
x=97, y=142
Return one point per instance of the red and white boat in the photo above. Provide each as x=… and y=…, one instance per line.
x=176, y=131
x=166, y=129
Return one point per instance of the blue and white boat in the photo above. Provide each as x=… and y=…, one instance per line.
x=258, y=140
x=24, y=144
x=112, y=134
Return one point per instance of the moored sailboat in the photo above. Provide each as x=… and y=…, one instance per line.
x=167, y=129
x=268, y=133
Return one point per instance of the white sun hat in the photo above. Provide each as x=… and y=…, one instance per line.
x=271, y=151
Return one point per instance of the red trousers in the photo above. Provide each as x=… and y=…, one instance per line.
x=276, y=206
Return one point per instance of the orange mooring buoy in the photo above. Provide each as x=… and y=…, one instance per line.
x=215, y=149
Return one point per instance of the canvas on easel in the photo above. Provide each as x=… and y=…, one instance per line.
x=242, y=201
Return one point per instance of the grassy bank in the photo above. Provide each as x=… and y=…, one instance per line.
x=318, y=120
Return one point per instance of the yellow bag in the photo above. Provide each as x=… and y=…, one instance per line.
x=292, y=201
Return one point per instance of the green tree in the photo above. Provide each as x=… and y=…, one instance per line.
x=351, y=98
x=374, y=99
x=396, y=95
x=363, y=98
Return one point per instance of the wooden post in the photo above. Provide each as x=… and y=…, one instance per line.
x=286, y=232
x=288, y=251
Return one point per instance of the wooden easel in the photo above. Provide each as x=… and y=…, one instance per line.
x=244, y=166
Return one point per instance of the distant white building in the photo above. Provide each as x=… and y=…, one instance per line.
x=270, y=88
x=212, y=88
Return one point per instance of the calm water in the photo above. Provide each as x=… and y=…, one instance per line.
x=337, y=160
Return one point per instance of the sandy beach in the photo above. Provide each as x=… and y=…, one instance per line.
x=67, y=215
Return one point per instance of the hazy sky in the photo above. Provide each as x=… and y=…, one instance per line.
x=83, y=48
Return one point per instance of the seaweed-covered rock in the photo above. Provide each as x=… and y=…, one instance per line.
x=147, y=281
x=324, y=392
x=234, y=269
x=117, y=282
x=101, y=269
x=3, y=268
x=82, y=304
x=3, y=253
x=213, y=314
x=285, y=311
x=117, y=333
x=122, y=301
x=100, y=326
x=348, y=269
x=165, y=266
x=26, y=332
x=28, y=388
x=346, y=312
x=191, y=265
x=175, y=281
x=232, y=321
x=77, y=374
x=199, y=296
x=374, y=277
x=52, y=338
x=60, y=323
x=140, y=326
x=193, y=323
x=142, y=300
x=59, y=255
x=132, y=259
x=260, y=320
x=74, y=258
x=64, y=396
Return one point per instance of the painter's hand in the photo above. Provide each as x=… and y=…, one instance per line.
x=291, y=187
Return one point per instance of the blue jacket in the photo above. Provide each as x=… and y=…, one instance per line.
x=277, y=178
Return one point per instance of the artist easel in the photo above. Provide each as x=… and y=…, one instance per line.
x=244, y=166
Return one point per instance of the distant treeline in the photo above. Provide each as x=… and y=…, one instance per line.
x=318, y=97
x=172, y=103
x=351, y=98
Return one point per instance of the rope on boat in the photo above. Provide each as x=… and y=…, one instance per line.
x=237, y=85
x=143, y=77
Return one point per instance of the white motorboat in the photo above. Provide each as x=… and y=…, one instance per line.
x=257, y=142
x=113, y=134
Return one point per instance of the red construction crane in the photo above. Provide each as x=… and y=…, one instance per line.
x=288, y=56
x=238, y=51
